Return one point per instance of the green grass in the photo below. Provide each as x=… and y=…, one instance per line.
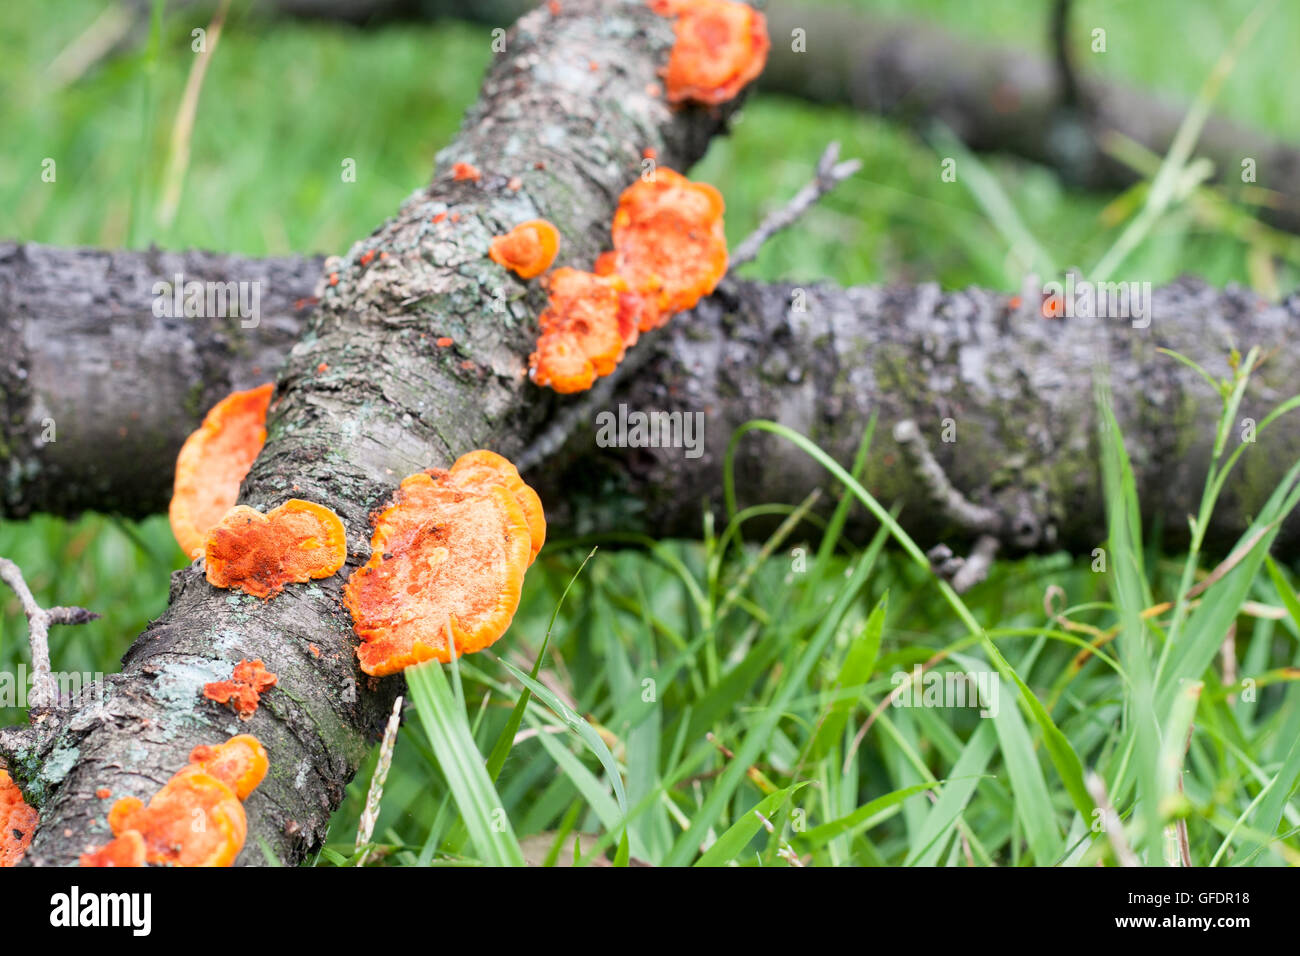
x=624, y=683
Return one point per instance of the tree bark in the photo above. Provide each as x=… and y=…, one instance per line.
x=1017, y=386
x=366, y=398
x=98, y=392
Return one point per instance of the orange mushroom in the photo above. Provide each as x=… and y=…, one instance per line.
x=196, y=819
x=669, y=244
x=261, y=553
x=213, y=462
x=583, y=329
x=475, y=469
x=126, y=850
x=720, y=46
x=17, y=822
x=445, y=572
x=240, y=763
x=248, y=681
x=528, y=249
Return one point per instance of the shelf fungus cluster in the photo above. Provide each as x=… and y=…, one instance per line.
x=447, y=564
x=196, y=819
x=17, y=822
x=213, y=462
x=669, y=251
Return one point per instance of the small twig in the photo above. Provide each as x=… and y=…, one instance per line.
x=829, y=175
x=1111, y=822
x=965, y=513
x=39, y=620
x=370, y=812
x=976, y=566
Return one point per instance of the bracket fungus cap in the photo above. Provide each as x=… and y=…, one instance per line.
x=213, y=463
x=720, y=47
x=583, y=330
x=446, y=570
x=528, y=249
x=669, y=244
x=261, y=553
x=474, y=469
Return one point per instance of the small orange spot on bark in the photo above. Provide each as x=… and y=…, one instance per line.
x=322, y=367
x=465, y=172
x=515, y=184
x=103, y=793
x=443, y=342
x=367, y=256
x=438, y=217
x=334, y=278
x=243, y=691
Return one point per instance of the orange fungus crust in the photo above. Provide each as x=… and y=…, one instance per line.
x=465, y=171
x=196, y=819
x=528, y=249
x=446, y=569
x=213, y=462
x=240, y=763
x=477, y=469
x=261, y=553
x=719, y=47
x=17, y=822
x=583, y=330
x=669, y=244
x=244, y=690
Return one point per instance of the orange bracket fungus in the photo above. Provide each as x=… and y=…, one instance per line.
x=447, y=564
x=585, y=329
x=720, y=46
x=196, y=819
x=17, y=822
x=243, y=691
x=528, y=249
x=261, y=553
x=669, y=244
x=213, y=462
x=477, y=469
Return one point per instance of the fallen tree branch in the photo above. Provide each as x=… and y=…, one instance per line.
x=367, y=397
x=904, y=353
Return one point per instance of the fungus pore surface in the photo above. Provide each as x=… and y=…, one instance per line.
x=446, y=568
x=261, y=553
x=17, y=822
